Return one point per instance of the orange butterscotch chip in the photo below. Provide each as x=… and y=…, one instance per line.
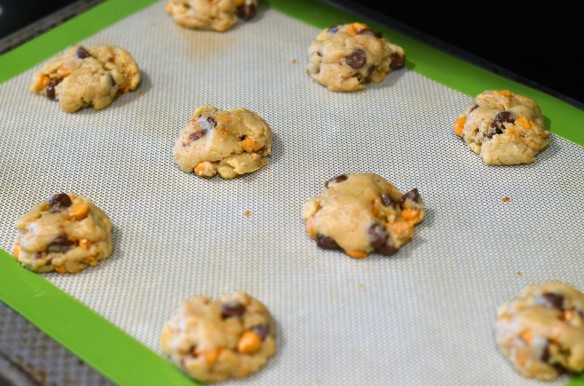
x=459, y=126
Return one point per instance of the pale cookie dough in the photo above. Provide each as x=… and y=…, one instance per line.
x=87, y=76
x=503, y=128
x=542, y=331
x=67, y=233
x=346, y=57
x=231, y=142
x=362, y=214
x=212, y=340
x=214, y=15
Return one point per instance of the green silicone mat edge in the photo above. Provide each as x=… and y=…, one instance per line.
x=101, y=344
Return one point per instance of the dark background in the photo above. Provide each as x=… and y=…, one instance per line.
x=539, y=44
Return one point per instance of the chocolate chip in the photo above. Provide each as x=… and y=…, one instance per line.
x=59, y=244
x=357, y=59
x=497, y=126
x=397, y=60
x=545, y=354
x=197, y=134
x=208, y=124
x=326, y=242
x=554, y=300
x=370, y=70
x=111, y=79
x=377, y=235
x=386, y=200
x=60, y=200
x=367, y=31
x=232, y=309
x=334, y=28
x=387, y=249
x=503, y=116
x=262, y=330
x=246, y=11
x=50, y=90
x=412, y=195
x=82, y=53
x=340, y=178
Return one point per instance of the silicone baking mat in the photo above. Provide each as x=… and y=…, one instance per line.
x=423, y=316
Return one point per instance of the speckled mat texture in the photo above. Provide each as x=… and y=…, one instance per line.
x=424, y=316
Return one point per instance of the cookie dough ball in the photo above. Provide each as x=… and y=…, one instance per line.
x=212, y=340
x=67, y=233
x=231, y=142
x=503, y=128
x=362, y=214
x=346, y=57
x=87, y=76
x=542, y=331
x=215, y=15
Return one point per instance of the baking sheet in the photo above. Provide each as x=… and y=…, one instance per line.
x=423, y=316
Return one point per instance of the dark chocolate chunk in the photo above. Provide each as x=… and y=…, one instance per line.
x=411, y=195
x=367, y=31
x=334, y=28
x=262, y=330
x=326, y=242
x=208, y=124
x=545, y=354
x=197, y=134
x=554, y=300
x=386, y=200
x=387, y=249
x=397, y=60
x=60, y=244
x=232, y=309
x=60, y=200
x=377, y=235
x=357, y=59
x=340, y=178
x=50, y=90
x=246, y=11
x=82, y=53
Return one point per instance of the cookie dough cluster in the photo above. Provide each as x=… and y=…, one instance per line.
x=212, y=340
x=214, y=15
x=66, y=233
x=87, y=76
x=345, y=57
x=229, y=142
x=542, y=331
x=362, y=214
x=502, y=127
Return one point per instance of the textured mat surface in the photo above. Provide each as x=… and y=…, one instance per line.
x=423, y=316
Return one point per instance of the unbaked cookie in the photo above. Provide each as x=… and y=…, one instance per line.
x=362, y=214
x=87, y=76
x=215, y=15
x=212, y=340
x=542, y=331
x=346, y=57
x=229, y=142
x=503, y=128
x=67, y=233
